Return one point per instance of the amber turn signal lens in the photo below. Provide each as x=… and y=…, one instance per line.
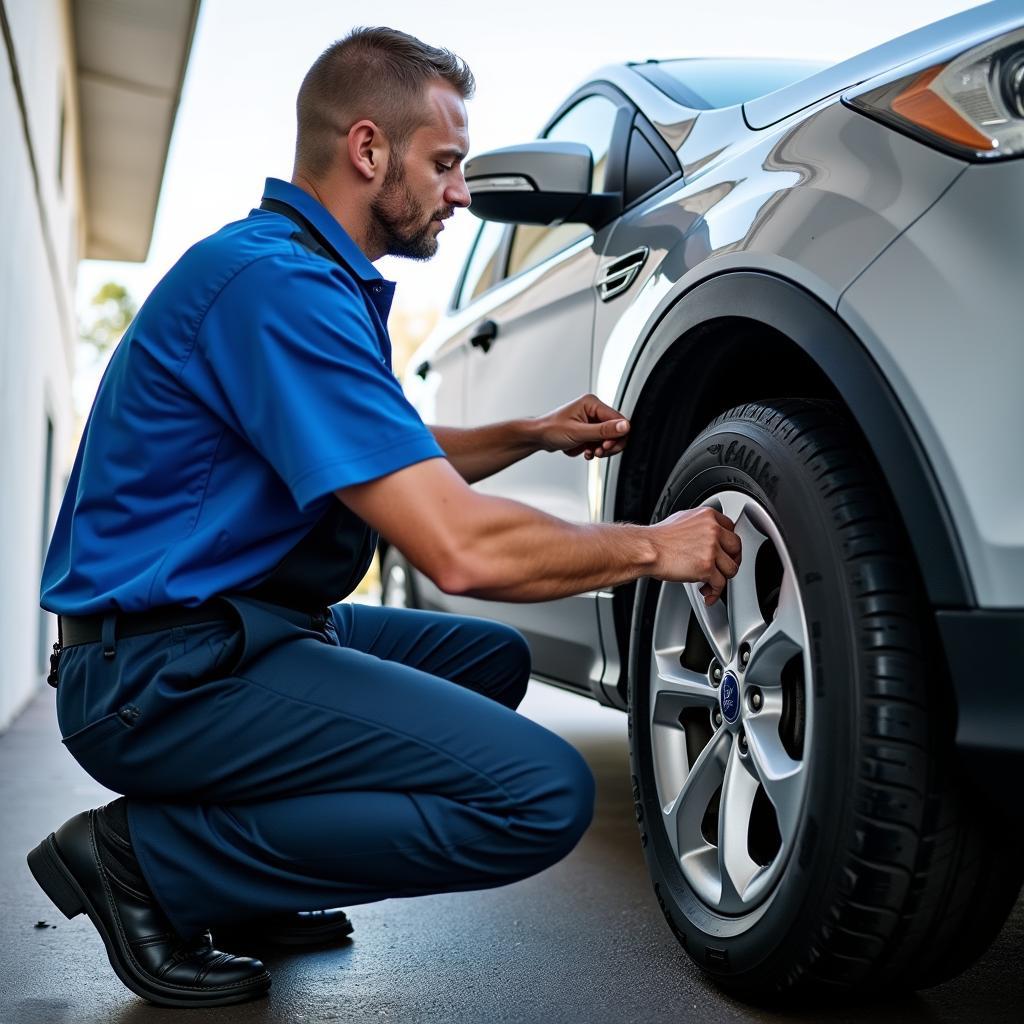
x=970, y=104
x=919, y=105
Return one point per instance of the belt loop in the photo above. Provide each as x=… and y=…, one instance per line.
x=107, y=635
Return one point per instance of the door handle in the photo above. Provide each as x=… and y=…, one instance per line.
x=483, y=335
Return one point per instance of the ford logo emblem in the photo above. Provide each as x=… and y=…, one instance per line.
x=729, y=695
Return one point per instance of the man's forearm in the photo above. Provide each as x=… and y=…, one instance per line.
x=513, y=552
x=480, y=452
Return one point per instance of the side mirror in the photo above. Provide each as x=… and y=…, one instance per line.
x=540, y=182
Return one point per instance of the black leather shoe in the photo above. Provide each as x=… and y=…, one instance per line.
x=303, y=928
x=144, y=950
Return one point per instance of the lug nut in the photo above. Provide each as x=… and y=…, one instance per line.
x=744, y=654
x=743, y=742
x=756, y=700
x=716, y=674
x=717, y=718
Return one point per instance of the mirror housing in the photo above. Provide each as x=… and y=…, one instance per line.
x=539, y=182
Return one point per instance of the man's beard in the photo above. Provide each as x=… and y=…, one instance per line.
x=396, y=216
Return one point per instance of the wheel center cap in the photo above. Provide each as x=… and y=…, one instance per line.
x=729, y=697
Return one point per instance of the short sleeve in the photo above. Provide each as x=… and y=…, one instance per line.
x=297, y=361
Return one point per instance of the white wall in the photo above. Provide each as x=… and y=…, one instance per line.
x=39, y=243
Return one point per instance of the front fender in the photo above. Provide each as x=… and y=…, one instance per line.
x=834, y=349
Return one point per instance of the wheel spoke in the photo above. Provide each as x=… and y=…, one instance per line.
x=783, y=638
x=671, y=622
x=732, y=504
x=686, y=812
x=744, y=611
x=713, y=621
x=735, y=863
x=676, y=688
x=781, y=776
x=671, y=760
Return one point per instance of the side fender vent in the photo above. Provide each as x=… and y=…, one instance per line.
x=618, y=276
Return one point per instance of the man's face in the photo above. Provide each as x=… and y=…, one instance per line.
x=423, y=185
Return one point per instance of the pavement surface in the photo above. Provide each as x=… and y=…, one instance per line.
x=582, y=941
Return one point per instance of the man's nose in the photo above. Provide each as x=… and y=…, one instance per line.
x=458, y=194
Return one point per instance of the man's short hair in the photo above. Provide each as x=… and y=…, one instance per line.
x=375, y=73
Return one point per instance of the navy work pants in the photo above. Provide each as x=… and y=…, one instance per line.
x=283, y=763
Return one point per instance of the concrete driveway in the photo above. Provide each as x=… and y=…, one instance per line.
x=583, y=941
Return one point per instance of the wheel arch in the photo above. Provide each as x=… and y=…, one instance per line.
x=743, y=336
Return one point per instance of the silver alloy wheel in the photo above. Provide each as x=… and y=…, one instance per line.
x=730, y=739
x=396, y=588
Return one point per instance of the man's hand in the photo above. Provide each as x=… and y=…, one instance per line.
x=698, y=545
x=584, y=427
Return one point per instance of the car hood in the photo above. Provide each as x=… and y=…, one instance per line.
x=967, y=28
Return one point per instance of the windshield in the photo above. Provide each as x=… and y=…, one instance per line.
x=708, y=83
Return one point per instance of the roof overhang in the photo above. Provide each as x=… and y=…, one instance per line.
x=131, y=57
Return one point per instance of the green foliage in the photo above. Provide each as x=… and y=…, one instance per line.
x=110, y=312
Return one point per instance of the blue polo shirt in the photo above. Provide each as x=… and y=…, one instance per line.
x=254, y=381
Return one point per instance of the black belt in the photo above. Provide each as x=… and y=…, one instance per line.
x=84, y=629
x=107, y=626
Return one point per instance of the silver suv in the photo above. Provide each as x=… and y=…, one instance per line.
x=803, y=284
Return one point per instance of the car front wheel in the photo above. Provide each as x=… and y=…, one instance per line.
x=803, y=816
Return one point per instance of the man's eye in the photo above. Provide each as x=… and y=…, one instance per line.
x=443, y=167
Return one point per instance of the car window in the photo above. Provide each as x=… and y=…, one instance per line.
x=645, y=170
x=591, y=121
x=482, y=266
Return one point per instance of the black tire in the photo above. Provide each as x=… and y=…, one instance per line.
x=394, y=566
x=900, y=878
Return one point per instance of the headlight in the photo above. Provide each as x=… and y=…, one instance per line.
x=971, y=106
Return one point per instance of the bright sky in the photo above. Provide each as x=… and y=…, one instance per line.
x=236, y=122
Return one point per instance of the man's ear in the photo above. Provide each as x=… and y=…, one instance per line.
x=367, y=149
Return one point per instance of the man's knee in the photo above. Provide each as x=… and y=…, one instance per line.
x=562, y=807
x=574, y=810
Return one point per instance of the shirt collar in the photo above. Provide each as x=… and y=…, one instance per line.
x=320, y=217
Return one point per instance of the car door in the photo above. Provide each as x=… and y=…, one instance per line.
x=526, y=343
x=437, y=383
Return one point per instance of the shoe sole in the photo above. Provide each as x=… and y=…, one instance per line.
x=299, y=936
x=59, y=884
